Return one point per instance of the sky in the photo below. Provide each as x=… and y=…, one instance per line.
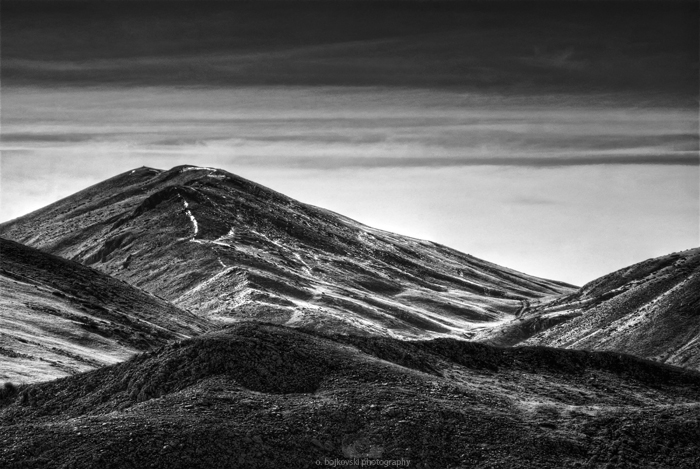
x=559, y=140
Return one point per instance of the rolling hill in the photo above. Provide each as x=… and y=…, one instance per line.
x=261, y=395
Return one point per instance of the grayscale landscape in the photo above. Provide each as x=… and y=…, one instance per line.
x=449, y=234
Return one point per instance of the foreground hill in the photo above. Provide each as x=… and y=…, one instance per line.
x=650, y=309
x=259, y=395
x=58, y=317
x=229, y=249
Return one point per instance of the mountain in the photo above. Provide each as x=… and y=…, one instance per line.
x=59, y=318
x=260, y=395
x=231, y=384
x=228, y=249
x=650, y=309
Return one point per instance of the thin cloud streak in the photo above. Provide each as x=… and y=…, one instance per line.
x=520, y=161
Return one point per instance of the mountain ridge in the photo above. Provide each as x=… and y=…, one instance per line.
x=650, y=309
x=58, y=317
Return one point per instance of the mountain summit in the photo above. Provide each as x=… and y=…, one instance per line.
x=229, y=249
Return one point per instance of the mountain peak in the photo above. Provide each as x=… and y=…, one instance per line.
x=230, y=249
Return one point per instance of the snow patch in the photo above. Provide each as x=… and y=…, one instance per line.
x=205, y=283
x=296, y=317
x=197, y=168
x=230, y=233
x=306, y=267
x=266, y=238
x=195, y=225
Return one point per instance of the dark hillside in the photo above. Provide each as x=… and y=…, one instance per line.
x=257, y=395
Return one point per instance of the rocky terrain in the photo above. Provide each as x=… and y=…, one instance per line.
x=296, y=352
x=229, y=249
x=59, y=318
x=261, y=395
x=189, y=318
x=650, y=309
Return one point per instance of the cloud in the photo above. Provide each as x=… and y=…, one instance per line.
x=533, y=201
x=516, y=50
x=44, y=137
x=339, y=162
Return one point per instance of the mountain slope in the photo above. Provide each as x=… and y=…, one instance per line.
x=230, y=249
x=257, y=395
x=59, y=318
x=650, y=309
